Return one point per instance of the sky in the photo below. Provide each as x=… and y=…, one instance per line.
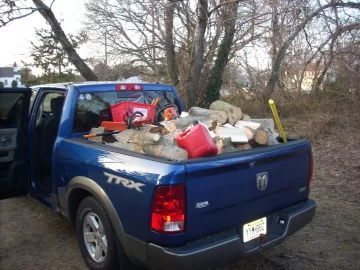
x=19, y=33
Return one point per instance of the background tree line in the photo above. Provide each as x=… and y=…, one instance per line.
x=204, y=46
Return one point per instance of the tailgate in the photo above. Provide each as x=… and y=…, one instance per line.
x=222, y=193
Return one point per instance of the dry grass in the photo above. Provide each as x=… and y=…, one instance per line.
x=33, y=237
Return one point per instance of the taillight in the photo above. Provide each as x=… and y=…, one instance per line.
x=168, y=209
x=127, y=86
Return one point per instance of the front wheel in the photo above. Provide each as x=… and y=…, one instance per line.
x=97, y=241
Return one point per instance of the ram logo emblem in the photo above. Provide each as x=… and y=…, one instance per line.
x=125, y=182
x=261, y=180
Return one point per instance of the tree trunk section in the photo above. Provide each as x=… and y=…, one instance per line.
x=74, y=57
x=166, y=150
x=218, y=116
x=260, y=139
x=141, y=137
x=128, y=146
x=234, y=113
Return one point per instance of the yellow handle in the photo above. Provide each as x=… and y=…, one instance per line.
x=277, y=119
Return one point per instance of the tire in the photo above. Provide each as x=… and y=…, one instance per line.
x=104, y=251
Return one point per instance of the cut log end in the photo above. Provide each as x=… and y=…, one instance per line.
x=234, y=113
x=260, y=138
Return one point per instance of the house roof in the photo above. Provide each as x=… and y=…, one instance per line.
x=6, y=72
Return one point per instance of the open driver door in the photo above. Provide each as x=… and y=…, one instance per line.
x=14, y=121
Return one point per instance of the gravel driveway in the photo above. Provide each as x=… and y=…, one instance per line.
x=33, y=237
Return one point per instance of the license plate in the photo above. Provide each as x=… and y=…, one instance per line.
x=253, y=229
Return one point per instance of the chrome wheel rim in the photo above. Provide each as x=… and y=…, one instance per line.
x=95, y=237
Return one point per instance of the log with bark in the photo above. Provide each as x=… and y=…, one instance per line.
x=219, y=144
x=243, y=147
x=184, y=122
x=127, y=146
x=166, y=150
x=218, y=116
x=234, y=113
x=141, y=137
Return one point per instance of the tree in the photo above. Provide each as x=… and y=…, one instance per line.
x=14, y=84
x=48, y=54
x=183, y=40
x=1, y=85
x=307, y=18
x=11, y=10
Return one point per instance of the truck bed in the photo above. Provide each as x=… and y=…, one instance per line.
x=222, y=191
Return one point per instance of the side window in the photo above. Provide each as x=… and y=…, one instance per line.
x=11, y=109
x=45, y=110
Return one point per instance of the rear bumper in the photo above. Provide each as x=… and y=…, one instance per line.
x=227, y=246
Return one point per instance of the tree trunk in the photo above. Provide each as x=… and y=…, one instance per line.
x=74, y=58
x=215, y=80
x=197, y=56
x=169, y=43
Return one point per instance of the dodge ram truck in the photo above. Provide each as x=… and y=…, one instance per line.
x=137, y=211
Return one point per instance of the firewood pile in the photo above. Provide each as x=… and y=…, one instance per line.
x=230, y=129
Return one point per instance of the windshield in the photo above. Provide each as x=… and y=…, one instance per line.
x=93, y=108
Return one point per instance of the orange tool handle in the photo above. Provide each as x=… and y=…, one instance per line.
x=89, y=136
x=156, y=102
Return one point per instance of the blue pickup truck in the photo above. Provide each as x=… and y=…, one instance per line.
x=136, y=211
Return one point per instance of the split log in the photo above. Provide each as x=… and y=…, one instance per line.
x=249, y=133
x=234, y=113
x=218, y=116
x=243, y=147
x=97, y=139
x=260, y=139
x=167, y=151
x=141, y=137
x=127, y=146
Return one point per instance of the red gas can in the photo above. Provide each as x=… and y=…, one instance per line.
x=197, y=141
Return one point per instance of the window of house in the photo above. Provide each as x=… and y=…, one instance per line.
x=5, y=82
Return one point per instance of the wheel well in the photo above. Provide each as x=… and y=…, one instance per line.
x=75, y=197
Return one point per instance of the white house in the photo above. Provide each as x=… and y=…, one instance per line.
x=8, y=74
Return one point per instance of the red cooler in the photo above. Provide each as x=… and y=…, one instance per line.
x=197, y=141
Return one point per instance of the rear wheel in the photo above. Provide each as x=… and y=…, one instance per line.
x=98, y=243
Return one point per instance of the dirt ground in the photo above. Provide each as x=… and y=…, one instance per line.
x=33, y=237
